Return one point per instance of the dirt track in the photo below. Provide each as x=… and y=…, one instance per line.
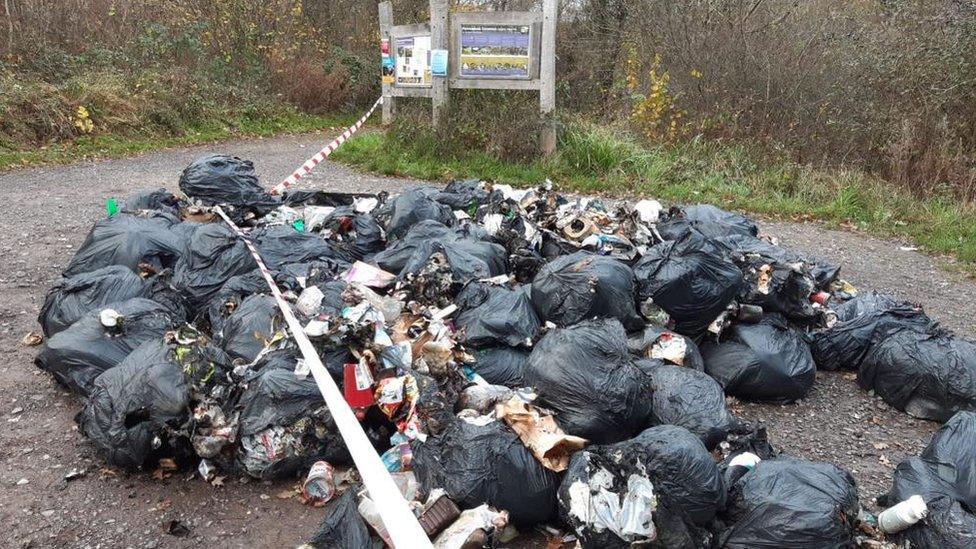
x=48, y=211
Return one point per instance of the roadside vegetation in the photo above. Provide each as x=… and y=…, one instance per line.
x=859, y=114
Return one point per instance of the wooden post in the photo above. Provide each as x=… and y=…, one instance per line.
x=439, y=40
x=547, y=75
x=386, y=23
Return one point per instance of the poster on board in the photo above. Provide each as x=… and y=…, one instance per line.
x=495, y=51
x=413, y=61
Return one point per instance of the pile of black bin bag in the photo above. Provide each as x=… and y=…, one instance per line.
x=633, y=351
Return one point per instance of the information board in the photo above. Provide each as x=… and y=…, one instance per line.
x=495, y=51
x=413, y=61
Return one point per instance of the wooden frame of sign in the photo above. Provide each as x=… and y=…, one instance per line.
x=505, y=51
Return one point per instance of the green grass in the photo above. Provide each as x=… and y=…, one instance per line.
x=594, y=160
x=114, y=146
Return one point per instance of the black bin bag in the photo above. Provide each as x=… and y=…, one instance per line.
x=690, y=279
x=343, y=526
x=133, y=241
x=869, y=302
x=767, y=361
x=585, y=374
x=501, y=365
x=152, y=199
x=250, y=327
x=689, y=399
x=495, y=315
x=135, y=407
x=70, y=298
x=478, y=464
x=846, y=343
x=214, y=255
x=606, y=492
x=945, y=476
x=77, y=355
x=218, y=179
x=706, y=220
x=580, y=286
x=355, y=236
x=926, y=375
x=282, y=244
x=413, y=206
x=285, y=426
x=788, y=502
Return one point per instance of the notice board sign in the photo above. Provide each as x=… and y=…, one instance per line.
x=495, y=51
x=413, y=61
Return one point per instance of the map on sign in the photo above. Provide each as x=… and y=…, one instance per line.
x=495, y=51
x=413, y=61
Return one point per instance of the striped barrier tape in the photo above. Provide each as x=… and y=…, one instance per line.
x=310, y=164
x=399, y=520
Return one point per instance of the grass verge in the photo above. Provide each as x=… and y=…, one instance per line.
x=597, y=160
x=114, y=146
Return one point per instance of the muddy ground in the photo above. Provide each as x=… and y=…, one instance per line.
x=46, y=213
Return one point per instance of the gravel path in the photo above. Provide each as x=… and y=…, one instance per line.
x=48, y=211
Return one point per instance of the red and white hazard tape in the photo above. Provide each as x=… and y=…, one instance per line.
x=400, y=522
x=310, y=164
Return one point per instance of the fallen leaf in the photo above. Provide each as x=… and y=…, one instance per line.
x=850, y=377
x=218, y=481
x=884, y=460
x=880, y=445
x=287, y=494
x=167, y=464
x=32, y=339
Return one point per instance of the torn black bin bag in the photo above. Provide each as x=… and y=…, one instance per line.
x=586, y=376
x=134, y=241
x=767, y=361
x=690, y=279
x=606, y=485
x=492, y=315
x=478, y=464
x=466, y=259
x=706, y=220
x=689, y=399
x=70, y=298
x=788, y=502
x=343, y=526
x=501, y=365
x=945, y=476
x=846, y=343
x=215, y=254
x=229, y=299
x=779, y=288
x=822, y=272
x=581, y=286
x=659, y=343
x=285, y=426
x=250, y=327
x=282, y=244
x=218, y=179
x=926, y=375
x=354, y=236
x=298, y=276
x=413, y=206
x=136, y=408
x=77, y=355
x=155, y=199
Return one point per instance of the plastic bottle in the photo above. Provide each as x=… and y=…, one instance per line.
x=901, y=516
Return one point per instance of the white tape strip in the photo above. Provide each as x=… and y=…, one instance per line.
x=400, y=522
x=310, y=164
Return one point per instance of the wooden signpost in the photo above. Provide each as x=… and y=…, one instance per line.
x=484, y=50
